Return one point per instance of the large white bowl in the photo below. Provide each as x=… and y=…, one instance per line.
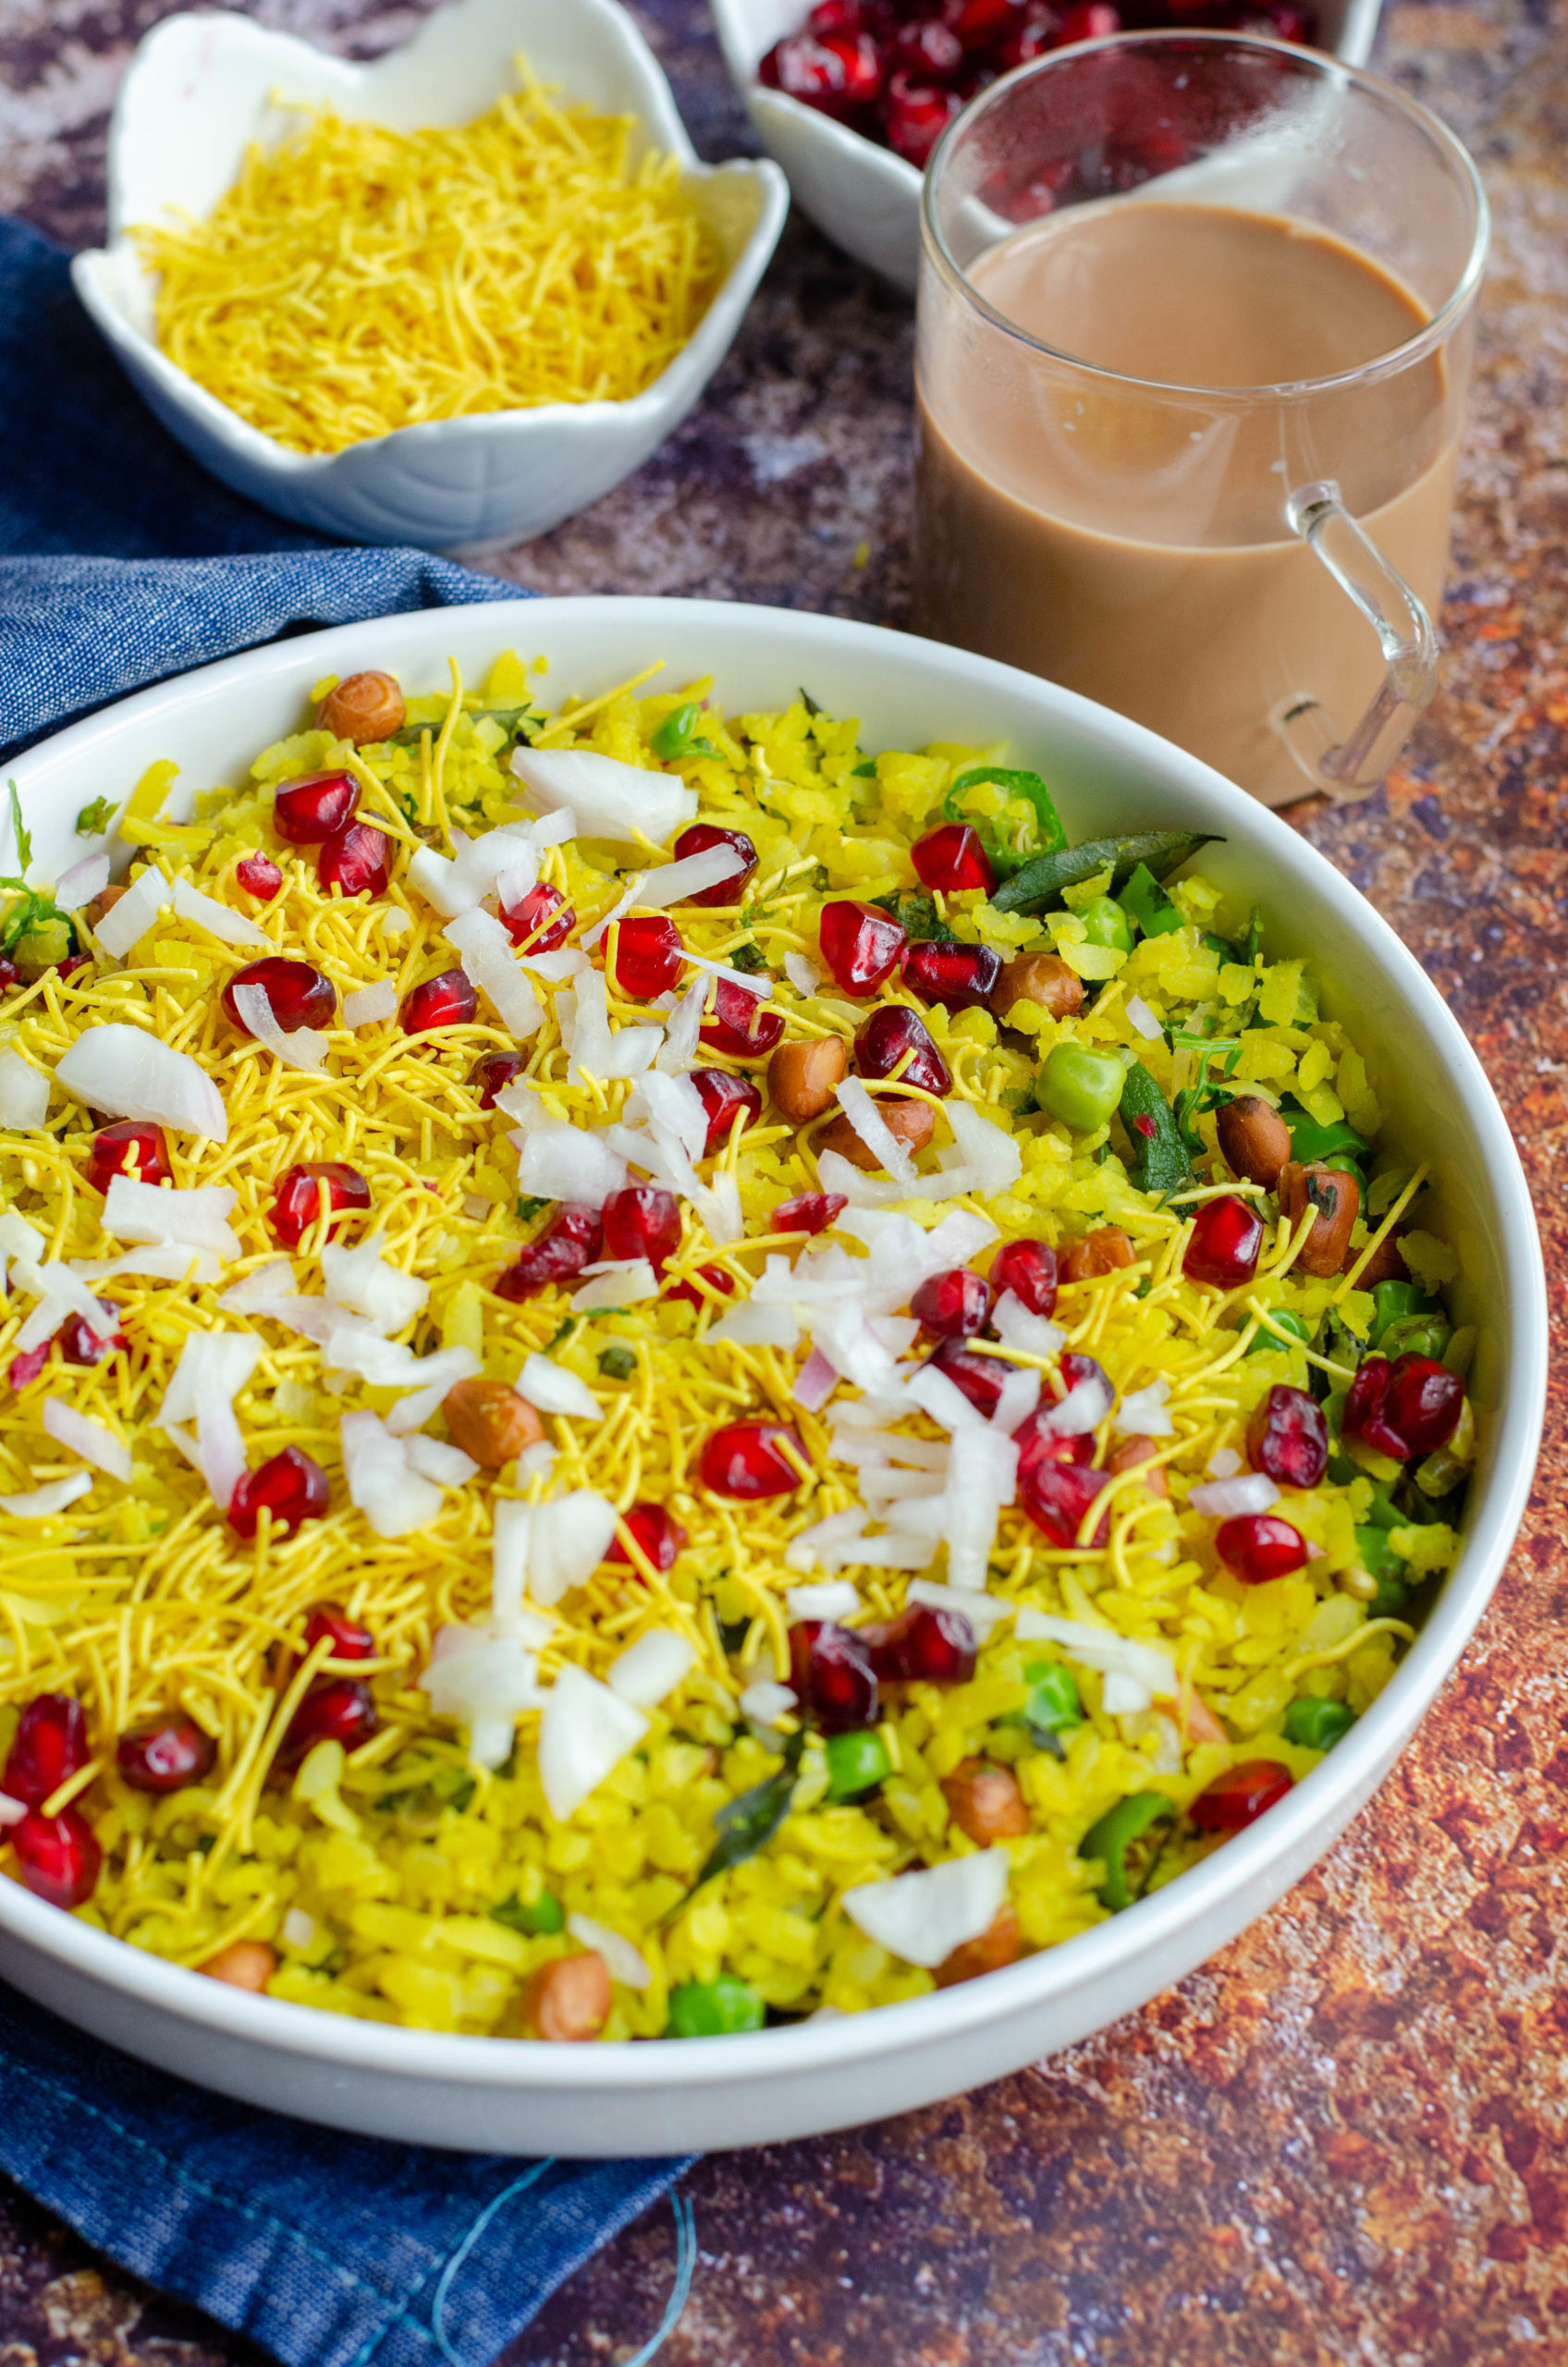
x=495, y=2094
x=866, y=199
x=199, y=89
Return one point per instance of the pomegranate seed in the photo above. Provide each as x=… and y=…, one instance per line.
x=832, y=1672
x=1256, y=1547
x=1239, y=1796
x=48, y=1747
x=924, y=1645
x=659, y=1538
x=1288, y=1438
x=894, y=1036
x=132, y=1147
x=541, y=920
x=304, y=812
x=1094, y=20
x=80, y=1345
x=1424, y=1403
x=24, y=1371
x=953, y=1305
x=835, y=17
x=691, y=1295
x=349, y=1641
x=299, y=995
x=915, y=115
x=289, y=1485
x=58, y=1856
x=644, y=1220
x=979, y=23
x=747, y=1460
x=493, y=1073
x=809, y=1212
x=648, y=957
x=960, y=978
x=1040, y=30
x=1057, y=1495
x=356, y=859
x=953, y=858
x=569, y=1243
x=860, y=945
x=447, y=1001
x=980, y=1377
x=10, y=973
x=721, y=1095
x=259, y=875
x=932, y=52
x=297, y=1198
x=1037, y=1442
x=1027, y=1269
x=698, y=839
x=70, y=963
x=836, y=74
x=1226, y=1237
x=165, y=1756
x=336, y=1708
x=739, y=1025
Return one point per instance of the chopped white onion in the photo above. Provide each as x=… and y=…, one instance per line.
x=992, y=1160
x=652, y=1667
x=1083, y=1409
x=746, y=982
x=869, y=1124
x=1142, y=1018
x=1224, y=1463
x=1145, y=1414
x=59, y=1292
x=1229, y=1499
x=565, y=961
x=130, y=916
x=42, y=1503
x=943, y=1400
x=363, y=1279
x=449, y=1466
x=803, y=976
x=1147, y=1667
x=923, y=1915
x=552, y=1390
x=750, y=1326
x=126, y=1072
x=219, y=920
x=491, y=966
x=623, y=1961
x=94, y=1442
x=766, y=1702
x=608, y=800
x=488, y=1679
x=396, y=922
x=548, y=1548
x=251, y=1295
x=1021, y=1328
x=196, y=1218
x=17, y=1238
x=305, y=1048
x=393, y=1500
x=560, y=1162
x=982, y=1610
x=166, y=1261
x=617, y=1282
x=585, y=1733
x=298, y=1928
x=982, y=1477
x=814, y=1383
x=83, y=882
x=371, y=1004
x=684, y=1030
x=837, y=1600
x=437, y=1374
x=672, y=883
x=24, y=1093
x=1021, y=1395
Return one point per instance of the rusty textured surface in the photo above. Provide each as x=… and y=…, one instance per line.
x=1343, y=2141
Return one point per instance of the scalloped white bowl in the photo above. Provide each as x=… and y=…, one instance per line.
x=521, y=2096
x=199, y=89
x=866, y=199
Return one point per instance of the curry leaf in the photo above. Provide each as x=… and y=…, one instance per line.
x=748, y=1822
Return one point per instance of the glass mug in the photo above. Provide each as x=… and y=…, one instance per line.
x=1195, y=322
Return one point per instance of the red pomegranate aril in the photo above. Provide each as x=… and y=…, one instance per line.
x=739, y=1025
x=953, y=857
x=747, y=1460
x=304, y=812
x=722, y=1096
x=10, y=973
x=861, y=946
x=832, y=1677
x=336, y=1708
x=697, y=840
x=1258, y=1547
x=835, y=17
x=659, y=1536
x=1057, y=1496
x=349, y=1641
x=924, y=1645
x=134, y=1146
x=1288, y=1438
x=48, y=1747
x=687, y=1294
x=297, y=995
x=1092, y=20
x=915, y=115
x=1028, y=1269
x=356, y=860
x=644, y=1220
x=836, y=73
x=647, y=957
x=569, y=1242
x=447, y=1001
x=980, y=24
x=808, y=1212
x=24, y=1371
x=1226, y=1240
x=894, y=1039
x=493, y=1073
x=539, y=921
x=59, y=1857
x=1037, y=1442
x=288, y=1486
x=79, y=1344
x=1239, y=1796
x=1366, y=1410
x=930, y=52
x=1040, y=30
x=70, y=963
x=165, y=1755
x=980, y=1377
x=259, y=875
x=953, y=1305
x=960, y=977
x=1424, y=1403
x=297, y=1198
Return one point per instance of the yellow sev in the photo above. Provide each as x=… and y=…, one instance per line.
x=358, y=279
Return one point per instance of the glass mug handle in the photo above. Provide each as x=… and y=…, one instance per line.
x=1352, y=767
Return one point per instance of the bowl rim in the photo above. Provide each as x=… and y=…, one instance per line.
x=1293, y=1830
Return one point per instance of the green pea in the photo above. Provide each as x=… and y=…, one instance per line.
x=545, y=1914
x=714, y=2008
x=1115, y=1834
x=1106, y=924
x=673, y=738
x=1417, y=1336
x=1293, y=1324
x=1394, y=1302
x=1052, y=1706
x=1316, y=1724
x=1377, y=1556
x=1080, y=1086
x=856, y=1763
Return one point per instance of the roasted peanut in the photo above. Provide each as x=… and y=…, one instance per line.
x=997, y=1946
x=1385, y=1264
x=1043, y=979
x=910, y=1122
x=490, y=1421
x=1255, y=1139
x=1337, y=1199
x=569, y=1998
x=984, y=1801
x=363, y=706
x=1100, y=1252
x=248, y=1963
x=804, y=1079
x=1131, y=1452
x=104, y=901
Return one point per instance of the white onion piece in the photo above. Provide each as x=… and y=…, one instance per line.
x=982, y=1611
x=395, y=923
x=491, y=967
x=1229, y=1499
x=942, y=1399
x=1142, y=1018
x=24, y=1093
x=923, y=1915
x=748, y=982
x=618, y=912
x=617, y=1282
x=1145, y=1414
x=623, y=1961
x=675, y=1108
x=750, y=1326
x=864, y=1117
x=550, y=1389
x=765, y=1703
x=486, y=1679
x=219, y=920
x=1148, y=1666
x=683, y=1029
x=982, y=1477
x=1021, y=1328
x=439, y=882
x=42, y=1503
x=834, y=1601
x=196, y=1218
x=17, y=1238
x=814, y=1383
x=608, y=800
x=123, y=1070
x=250, y=1296
x=1224, y=1463
x=449, y=1466
x=305, y=1048
x=438, y=1374
x=672, y=883
x=565, y=961
x=562, y=1162
x=370, y=1004
x=212, y=1364
x=393, y=1500
x=298, y=1928
x=1021, y=1395
x=83, y=882
x=826, y=1543
x=129, y=919
x=59, y=1292
x=585, y=1733
x=165, y=1261
x=94, y=1442
x=363, y=1280
x=652, y=1667
x=1083, y=1409
x=991, y=1156
x=548, y=1549
x=803, y=976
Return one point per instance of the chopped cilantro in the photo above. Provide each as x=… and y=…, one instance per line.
x=95, y=817
x=617, y=1362
x=527, y=1208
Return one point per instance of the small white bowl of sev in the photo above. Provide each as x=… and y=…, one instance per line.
x=540, y=305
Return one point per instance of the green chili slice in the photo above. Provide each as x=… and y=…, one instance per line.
x=1115, y=1834
x=1161, y=1164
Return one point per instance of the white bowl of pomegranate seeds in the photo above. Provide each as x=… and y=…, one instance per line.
x=851, y=96
x=759, y=2085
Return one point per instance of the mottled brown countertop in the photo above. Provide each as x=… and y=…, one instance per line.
x=1344, y=2140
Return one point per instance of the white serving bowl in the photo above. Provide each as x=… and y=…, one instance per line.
x=199, y=89
x=517, y=2095
x=866, y=199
